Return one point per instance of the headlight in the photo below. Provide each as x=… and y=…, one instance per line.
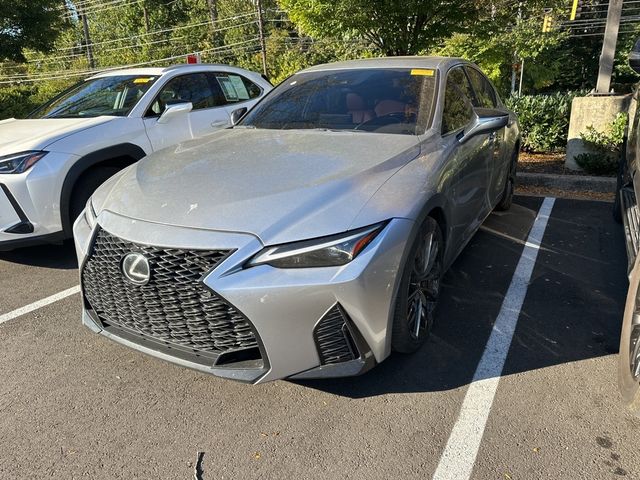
x=19, y=162
x=321, y=252
x=90, y=214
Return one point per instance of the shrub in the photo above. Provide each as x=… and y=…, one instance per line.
x=544, y=120
x=605, y=147
x=16, y=101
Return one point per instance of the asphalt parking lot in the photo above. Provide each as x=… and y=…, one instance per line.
x=73, y=404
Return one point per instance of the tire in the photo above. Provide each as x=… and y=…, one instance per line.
x=628, y=385
x=620, y=182
x=507, y=194
x=407, y=337
x=85, y=186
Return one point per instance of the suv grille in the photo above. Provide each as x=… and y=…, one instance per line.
x=174, y=306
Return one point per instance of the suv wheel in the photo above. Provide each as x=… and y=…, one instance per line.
x=629, y=356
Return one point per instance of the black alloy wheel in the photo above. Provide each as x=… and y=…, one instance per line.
x=419, y=290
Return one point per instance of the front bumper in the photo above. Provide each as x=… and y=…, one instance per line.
x=284, y=306
x=30, y=202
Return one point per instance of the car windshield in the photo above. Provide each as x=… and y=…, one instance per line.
x=114, y=95
x=373, y=100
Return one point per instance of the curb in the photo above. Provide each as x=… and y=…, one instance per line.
x=568, y=182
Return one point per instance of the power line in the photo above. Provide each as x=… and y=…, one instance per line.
x=54, y=76
x=100, y=51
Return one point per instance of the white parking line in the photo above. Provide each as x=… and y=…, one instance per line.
x=462, y=447
x=39, y=304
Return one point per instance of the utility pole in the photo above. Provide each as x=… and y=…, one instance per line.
x=213, y=11
x=609, y=46
x=515, y=54
x=145, y=16
x=87, y=38
x=263, y=46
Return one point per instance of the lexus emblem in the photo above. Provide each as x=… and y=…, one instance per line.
x=135, y=267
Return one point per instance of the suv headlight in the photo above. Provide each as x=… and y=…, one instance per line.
x=330, y=251
x=90, y=214
x=20, y=162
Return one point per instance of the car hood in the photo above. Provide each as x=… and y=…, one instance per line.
x=40, y=133
x=279, y=185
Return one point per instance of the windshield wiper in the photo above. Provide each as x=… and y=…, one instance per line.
x=340, y=130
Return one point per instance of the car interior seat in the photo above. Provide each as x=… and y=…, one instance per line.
x=357, y=107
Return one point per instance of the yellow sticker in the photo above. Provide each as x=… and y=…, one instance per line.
x=143, y=80
x=423, y=71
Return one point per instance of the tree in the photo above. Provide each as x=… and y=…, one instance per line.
x=29, y=24
x=394, y=27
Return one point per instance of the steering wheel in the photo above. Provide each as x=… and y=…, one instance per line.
x=386, y=119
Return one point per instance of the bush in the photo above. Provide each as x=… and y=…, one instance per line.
x=544, y=120
x=605, y=147
x=16, y=101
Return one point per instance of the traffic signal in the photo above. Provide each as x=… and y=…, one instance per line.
x=547, y=22
x=576, y=9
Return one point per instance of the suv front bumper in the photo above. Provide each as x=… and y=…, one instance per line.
x=30, y=203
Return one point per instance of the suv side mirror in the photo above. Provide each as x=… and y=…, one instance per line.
x=485, y=120
x=634, y=57
x=236, y=115
x=175, y=110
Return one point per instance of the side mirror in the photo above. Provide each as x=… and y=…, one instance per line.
x=485, y=120
x=175, y=110
x=634, y=57
x=236, y=115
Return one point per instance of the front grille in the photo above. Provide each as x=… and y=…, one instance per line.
x=332, y=336
x=174, y=306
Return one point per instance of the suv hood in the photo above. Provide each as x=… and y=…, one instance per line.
x=279, y=185
x=38, y=133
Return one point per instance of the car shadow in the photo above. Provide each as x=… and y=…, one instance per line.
x=572, y=311
x=61, y=257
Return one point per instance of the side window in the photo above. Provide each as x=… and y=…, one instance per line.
x=192, y=88
x=484, y=91
x=236, y=88
x=458, y=109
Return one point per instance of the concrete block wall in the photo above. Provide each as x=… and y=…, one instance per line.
x=595, y=111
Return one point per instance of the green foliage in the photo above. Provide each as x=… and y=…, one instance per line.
x=597, y=163
x=300, y=33
x=393, y=27
x=544, y=120
x=28, y=24
x=605, y=147
x=16, y=101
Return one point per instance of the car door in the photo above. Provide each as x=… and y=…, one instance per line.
x=467, y=163
x=235, y=90
x=486, y=97
x=208, y=114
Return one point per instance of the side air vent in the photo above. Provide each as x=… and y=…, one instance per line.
x=333, y=338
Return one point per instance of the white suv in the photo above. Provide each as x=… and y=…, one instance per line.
x=52, y=162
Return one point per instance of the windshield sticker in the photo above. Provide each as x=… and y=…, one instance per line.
x=143, y=80
x=428, y=72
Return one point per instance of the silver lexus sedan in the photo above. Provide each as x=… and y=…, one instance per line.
x=310, y=239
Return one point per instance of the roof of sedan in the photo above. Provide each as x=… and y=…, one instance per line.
x=388, y=62
x=155, y=71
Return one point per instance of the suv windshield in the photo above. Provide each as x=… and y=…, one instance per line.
x=114, y=95
x=374, y=100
